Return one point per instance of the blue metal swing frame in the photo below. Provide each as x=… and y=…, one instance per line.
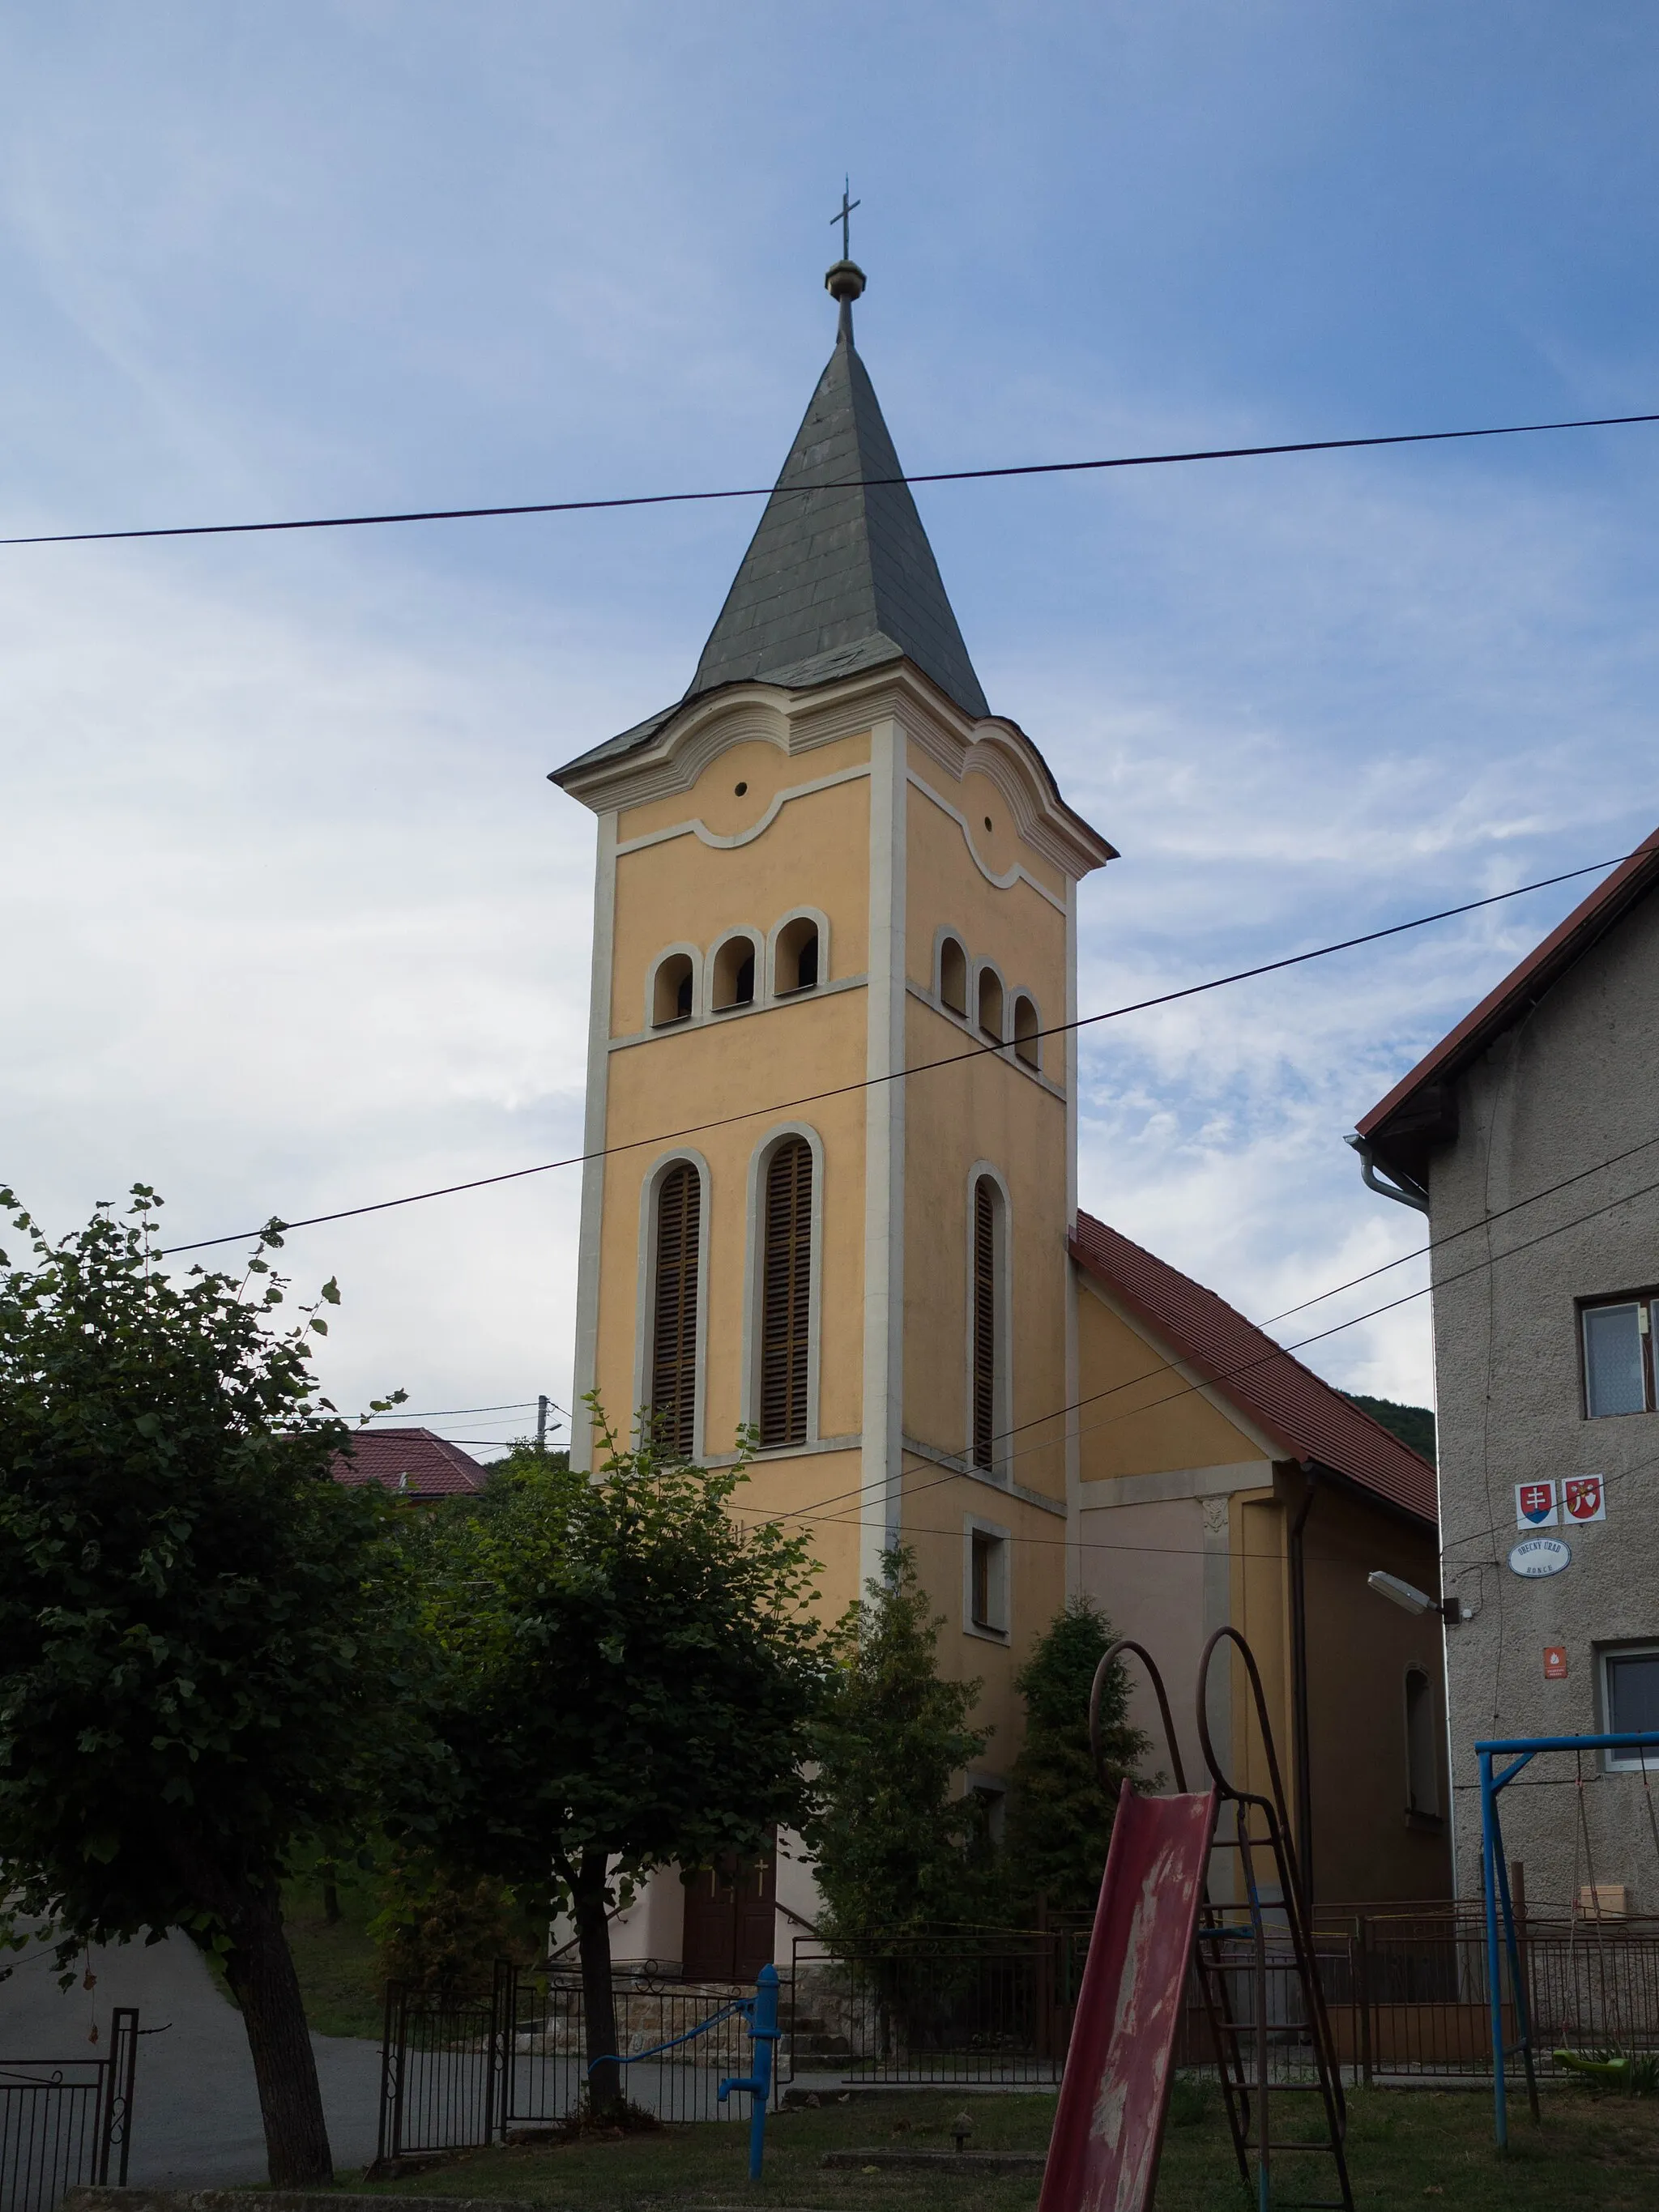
x=1495, y=1891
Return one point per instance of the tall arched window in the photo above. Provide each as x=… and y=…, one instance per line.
x=674, y=1313
x=985, y=1333
x=787, y=1294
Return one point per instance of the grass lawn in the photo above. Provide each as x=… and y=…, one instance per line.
x=1405, y=2146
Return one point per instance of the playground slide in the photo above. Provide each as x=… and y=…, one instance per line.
x=1103, y=2156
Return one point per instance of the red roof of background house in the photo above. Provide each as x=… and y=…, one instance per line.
x=413, y=1462
x=1416, y=1113
x=1309, y=1418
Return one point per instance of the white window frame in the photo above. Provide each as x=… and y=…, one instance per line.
x=694, y=953
x=1646, y=1305
x=756, y=944
x=1623, y=1762
x=755, y=1218
x=1019, y=992
x=820, y=921
x=943, y=934
x=998, y=1037
x=974, y=1524
x=1003, y=1351
x=645, y=1292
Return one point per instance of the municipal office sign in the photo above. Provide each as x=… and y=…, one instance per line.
x=1540, y=1555
x=1548, y=1504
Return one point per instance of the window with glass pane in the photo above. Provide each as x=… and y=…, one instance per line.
x=1632, y=1684
x=1615, y=1377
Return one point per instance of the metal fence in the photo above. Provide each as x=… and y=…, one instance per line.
x=64, y=2122
x=961, y=2007
x=1406, y=1991
x=457, y=2077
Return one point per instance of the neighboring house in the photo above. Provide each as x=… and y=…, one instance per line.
x=411, y=1462
x=1530, y=1137
x=1221, y=1482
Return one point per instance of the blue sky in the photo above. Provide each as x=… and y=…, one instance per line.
x=293, y=920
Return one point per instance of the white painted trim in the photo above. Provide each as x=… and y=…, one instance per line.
x=755, y=940
x=645, y=1291
x=981, y=968
x=693, y=826
x=1016, y=874
x=1002, y=1372
x=654, y=1027
x=945, y=933
x=1073, y=1358
x=1010, y=1007
x=957, y=1465
x=754, y=1272
x=1175, y=1483
x=850, y=1443
x=1002, y=1631
x=881, y=1495
x=737, y=1013
x=820, y=921
x=678, y=751
x=590, y=1233
x=1006, y=1056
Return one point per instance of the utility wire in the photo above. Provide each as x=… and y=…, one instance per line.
x=1265, y=1358
x=449, y=1413
x=901, y=1074
x=839, y=484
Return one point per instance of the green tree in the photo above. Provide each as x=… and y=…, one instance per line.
x=201, y=1662
x=1060, y=1819
x=895, y=1846
x=439, y=1933
x=632, y=1674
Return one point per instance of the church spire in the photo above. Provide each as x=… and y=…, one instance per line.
x=839, y=575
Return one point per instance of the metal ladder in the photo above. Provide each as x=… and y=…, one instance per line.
x=1224, y=1946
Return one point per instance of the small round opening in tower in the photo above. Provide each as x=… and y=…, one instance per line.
x=987, y=821
x=739, y=789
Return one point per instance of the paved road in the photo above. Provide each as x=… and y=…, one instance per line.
x=196, y=2117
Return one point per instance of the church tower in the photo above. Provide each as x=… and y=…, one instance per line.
x=834, y=1142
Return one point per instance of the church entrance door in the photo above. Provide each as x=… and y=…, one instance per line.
x=730, y=1918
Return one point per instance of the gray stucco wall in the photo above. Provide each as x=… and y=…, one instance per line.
x=1572, y=1085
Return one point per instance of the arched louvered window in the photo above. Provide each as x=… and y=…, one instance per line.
x=674, y=1314
x=787, y=1294
x=985, y=1224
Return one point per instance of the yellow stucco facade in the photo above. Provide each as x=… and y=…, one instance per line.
x=899, y=827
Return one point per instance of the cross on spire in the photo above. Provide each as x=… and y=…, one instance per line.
x=845, y=219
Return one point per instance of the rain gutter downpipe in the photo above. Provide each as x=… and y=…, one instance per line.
x=1402, y=1188
x=1299, y=1727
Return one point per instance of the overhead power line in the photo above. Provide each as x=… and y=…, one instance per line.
x=1264, y=1358
x=901, y=1074
x=839, y=484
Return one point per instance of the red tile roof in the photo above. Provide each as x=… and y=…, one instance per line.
x=412, y=1462
x=1305, y=1417
x=1407, y=1122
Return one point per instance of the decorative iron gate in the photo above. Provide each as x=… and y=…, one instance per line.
x=64, y=2122
x=458, y=2077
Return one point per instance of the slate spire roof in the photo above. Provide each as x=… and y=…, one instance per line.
x=838, y=580
x=834, y=580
